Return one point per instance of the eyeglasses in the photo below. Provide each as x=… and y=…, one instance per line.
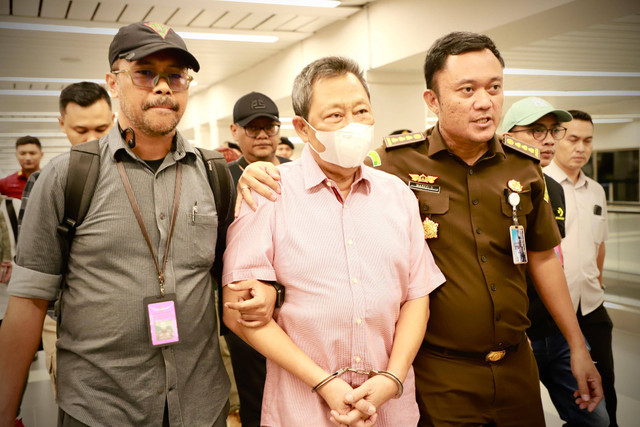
x=539, y=133
x=254, y=131
x=149, y=79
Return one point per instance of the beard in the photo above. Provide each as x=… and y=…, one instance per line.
x=147, y=121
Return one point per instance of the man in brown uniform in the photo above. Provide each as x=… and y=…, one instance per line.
x=475, y=366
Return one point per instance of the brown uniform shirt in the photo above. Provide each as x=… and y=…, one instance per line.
x=483, y=304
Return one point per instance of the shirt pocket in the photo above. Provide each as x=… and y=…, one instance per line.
x=523, y=208
x=201, y=239
x=598, y=225
x=435, y=206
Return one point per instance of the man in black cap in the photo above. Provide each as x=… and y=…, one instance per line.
x=285, y=148
x=138, y=340
x=256, y=129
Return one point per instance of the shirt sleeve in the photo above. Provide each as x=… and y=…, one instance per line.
x=250, y=250
x=424, y=274
x=542, y=232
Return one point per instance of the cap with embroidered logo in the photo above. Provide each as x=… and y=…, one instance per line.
x=254, y=105
x=530, y=109
x=140, y=39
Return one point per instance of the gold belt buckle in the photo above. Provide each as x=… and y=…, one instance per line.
x=495, y=356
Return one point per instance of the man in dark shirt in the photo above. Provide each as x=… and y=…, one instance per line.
x=534, y=121
x=256, y=129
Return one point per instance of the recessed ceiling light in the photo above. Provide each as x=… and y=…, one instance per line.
x=307, y=3
x=572, y=93
x=536, y=72
x=112, y=31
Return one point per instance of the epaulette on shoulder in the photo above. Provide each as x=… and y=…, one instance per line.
x=395, y=141
x=521, y=147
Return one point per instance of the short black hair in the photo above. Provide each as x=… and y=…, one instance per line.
x=455, y=43
x=233, y=145
x=284, y=140
x=84, y=94
x=401, y=131
x=24, y=140
x=581, y=115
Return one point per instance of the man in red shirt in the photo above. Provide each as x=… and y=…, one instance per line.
x=29, y=154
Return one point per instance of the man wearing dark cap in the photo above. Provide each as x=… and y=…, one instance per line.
x=256, y=129
x=285, y=148
x=138, y=341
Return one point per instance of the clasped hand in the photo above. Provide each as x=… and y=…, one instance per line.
x=357, y=407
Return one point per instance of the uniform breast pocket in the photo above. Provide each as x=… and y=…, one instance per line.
x=433, y=208
x=201, y=239
x=523, y=208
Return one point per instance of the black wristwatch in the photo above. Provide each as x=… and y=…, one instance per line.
x=279, y=292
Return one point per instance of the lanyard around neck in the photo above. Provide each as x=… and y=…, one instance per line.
x=136, y=211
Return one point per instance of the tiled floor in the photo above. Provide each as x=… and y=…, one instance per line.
x=39, y=409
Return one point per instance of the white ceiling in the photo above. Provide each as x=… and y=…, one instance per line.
x=595, y=42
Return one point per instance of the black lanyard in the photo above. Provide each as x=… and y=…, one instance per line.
x=136, y=211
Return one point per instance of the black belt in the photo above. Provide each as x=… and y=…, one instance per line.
x=491, y=356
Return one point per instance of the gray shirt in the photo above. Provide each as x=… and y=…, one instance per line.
x=108, y=373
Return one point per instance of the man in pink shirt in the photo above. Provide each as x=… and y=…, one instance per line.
x=357, y=293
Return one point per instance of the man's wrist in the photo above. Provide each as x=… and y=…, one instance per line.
x=279, y=292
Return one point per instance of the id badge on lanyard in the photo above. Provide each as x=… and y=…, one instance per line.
x=516, y=233
x=162, y=320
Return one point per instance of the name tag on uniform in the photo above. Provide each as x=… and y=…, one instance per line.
x=518, y=244
x=162, y=320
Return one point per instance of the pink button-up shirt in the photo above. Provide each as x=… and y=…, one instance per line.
x=347, y=268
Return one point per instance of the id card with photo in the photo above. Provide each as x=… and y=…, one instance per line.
x=162, y=320
x=518, y=244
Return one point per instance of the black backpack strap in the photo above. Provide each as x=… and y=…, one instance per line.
x=13, y=218
x=224, y=195
x=84, y=168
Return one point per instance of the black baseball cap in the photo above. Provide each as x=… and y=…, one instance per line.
x=140, y=39
x=254, y=105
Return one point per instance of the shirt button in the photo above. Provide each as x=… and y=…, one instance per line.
x=479, y=230
x=483, y=258
x=162, y=216
x=470, y=171
x=475, y=201
x=350, y=242
x=357, y=359
x=358, y=321
x=328, y=184
x=493, y=287
x=500, y=344
x=355, y=280
x=498, y=317
x=160, y=390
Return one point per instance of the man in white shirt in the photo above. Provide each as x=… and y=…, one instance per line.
x=583, y=247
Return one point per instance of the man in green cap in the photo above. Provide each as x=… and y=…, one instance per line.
x=537, y=123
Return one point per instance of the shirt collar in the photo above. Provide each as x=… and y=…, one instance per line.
x=180, y=147
x=555, y=172
x=437, y=144
x=313, y=175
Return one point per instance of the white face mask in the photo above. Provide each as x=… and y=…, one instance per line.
x=346, y=147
